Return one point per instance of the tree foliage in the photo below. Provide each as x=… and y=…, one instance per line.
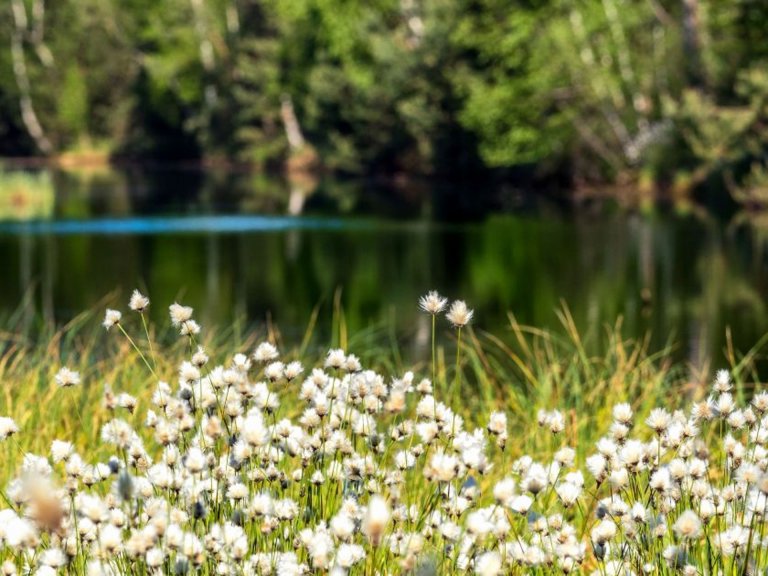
x=598, y=89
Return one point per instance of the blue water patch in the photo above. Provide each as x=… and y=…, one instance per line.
x=182, y=224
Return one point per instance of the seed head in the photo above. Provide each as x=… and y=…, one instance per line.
x=597, y=466
x=488, y=564
x=265, y=352
x=725, y=404
x=200, y=358
x=442, y=467
x=521, y=504
x=335, y=358
x=189, y=328
x=293, y=369
x=497, y=424
x=61, y=450
x=7, y=427
x=658, y=420
x=568, y=493
x=459, y=315
x=138, y=302
x=66, y=378
x=433, y=303
x=622, y=413
x=760, y=402
x=556, y=422
x=111, y=318
x=722, y=381
x=180, y=314
x=688, y=525
x=376, y=519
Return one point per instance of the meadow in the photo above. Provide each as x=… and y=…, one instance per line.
x=130, y=448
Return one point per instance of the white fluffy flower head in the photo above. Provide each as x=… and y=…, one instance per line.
x=111, y=318
x=7, y=427
x=138, y=302
x=66, y=378
x=433, y=303
x=180, y=314
x=459, y=315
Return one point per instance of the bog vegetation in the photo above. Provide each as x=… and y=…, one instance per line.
x=194, y=456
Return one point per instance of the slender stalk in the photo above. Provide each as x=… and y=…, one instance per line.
x=434, y=365
x=6, y=500
x=457, y=380
x=135, y=347
x=149, y=340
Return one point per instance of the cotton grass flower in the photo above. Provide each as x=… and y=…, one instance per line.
x=521, y=504
x=111, y=318
x=442, y=467
x=597, y=466
x=722, y=381
x=555, y=422
x=265, y=352
x=180, y=314
x=200, y=358
x=760, y=402
x=568, y=493
x=7, y=427
x=54, y=558
x=497, y=424
x=622, y=413
x=189, y=328
x=688, y=525
x=126, y=401
x=504, y=491
x=377, y=516
x=335, y=358
x=459, y=315
x=350, y=466
x=61, y=450
x=347, y=555
x=604, y=531
x=488, y=564
x=293, y=370
x=725, y=404
x=658, y=420
x=138, y=302
x=433, y=303
x=195, y=460
x=67, y=378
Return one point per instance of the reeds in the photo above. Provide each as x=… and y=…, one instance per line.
x=557, y=453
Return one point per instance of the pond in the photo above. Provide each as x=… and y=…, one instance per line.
x=235, y=245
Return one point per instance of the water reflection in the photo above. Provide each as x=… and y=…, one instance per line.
x=26, y=196
x=683, y=278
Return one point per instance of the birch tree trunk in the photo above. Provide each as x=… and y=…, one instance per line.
x=28, y=114
x=38, y=32
x=411, y=14
x=608, y=94
x=291, y=124
x=207, y=58
x=622, y=55
x=692, y=42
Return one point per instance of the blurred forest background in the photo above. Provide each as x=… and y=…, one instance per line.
x=666, y=94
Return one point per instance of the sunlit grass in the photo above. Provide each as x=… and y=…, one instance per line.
x=268, y=457
x=521, y=372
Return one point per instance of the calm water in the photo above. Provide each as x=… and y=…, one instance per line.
x=234, y=245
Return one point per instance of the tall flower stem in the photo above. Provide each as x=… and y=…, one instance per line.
x=458, y=360
x=434, y=365
x=135, y=347
x=149, y=340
